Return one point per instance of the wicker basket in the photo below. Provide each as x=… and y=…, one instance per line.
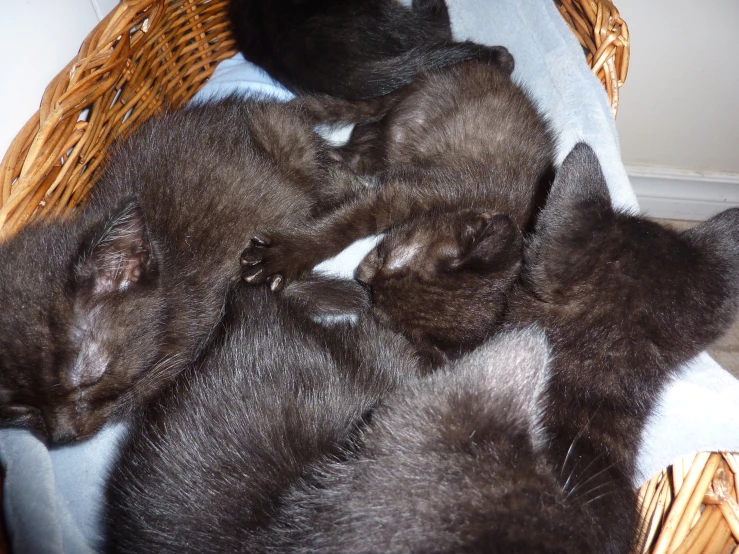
x=148, y=54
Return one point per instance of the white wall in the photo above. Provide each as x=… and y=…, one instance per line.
x=37, y=39
x=680, y=105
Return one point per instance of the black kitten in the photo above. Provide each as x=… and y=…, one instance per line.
x=463, y=158
x=624, y=303
x=350, y=48
x=273, y=443
x=101, y=310
x=272, y=395
x=455, y=462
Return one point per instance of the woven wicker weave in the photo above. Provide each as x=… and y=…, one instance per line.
x=605, y=38
x=148, y=54
x=144, y=55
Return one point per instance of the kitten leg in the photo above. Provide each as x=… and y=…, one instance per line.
x=320, y=296
x=406, y=66
x=340, y=186
x=279, y=256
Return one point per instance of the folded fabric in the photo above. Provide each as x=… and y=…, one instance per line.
x=53, y=498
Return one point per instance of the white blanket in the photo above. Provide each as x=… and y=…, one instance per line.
x=52, y=499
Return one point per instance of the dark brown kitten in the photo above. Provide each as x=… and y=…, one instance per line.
x=272, y=395
x=624, y=303
x=101, y=310
x=462, y=149
x=455, y=462
x=288, y=450
x=425, y=269
x=351, y=48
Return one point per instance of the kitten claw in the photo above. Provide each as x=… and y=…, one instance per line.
x=252, y=277
x=251, y=257
x=260, y=239
x=276, y=282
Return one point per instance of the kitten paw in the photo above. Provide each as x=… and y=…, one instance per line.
x=487, y=241
x=273, y=258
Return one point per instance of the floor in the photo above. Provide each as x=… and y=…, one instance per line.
x=725, y=351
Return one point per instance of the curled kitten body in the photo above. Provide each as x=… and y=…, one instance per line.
x=330, y=442
x=351, y=48
x=103, y=309
x=272, y=395
x=464, y=146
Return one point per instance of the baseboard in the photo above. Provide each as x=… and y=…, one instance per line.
x=679, y=194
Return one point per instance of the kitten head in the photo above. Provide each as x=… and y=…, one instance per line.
x=662, y=294
x=80, y=303
x=442, y=279
x=455, y=463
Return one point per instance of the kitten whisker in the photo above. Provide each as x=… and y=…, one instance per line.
x=583, y=483
x=598, y=497
x=579, y=434
x=590, y=491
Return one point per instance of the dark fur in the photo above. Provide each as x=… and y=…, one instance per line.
x=101, y=310
x=464, y=157
x=624, y=303
x=350, y=48
x=424, y=270
x=258, y=448
x=273, y=395
x=451, y=463
x=501, y=451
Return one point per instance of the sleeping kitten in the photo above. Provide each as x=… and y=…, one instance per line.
x=464, y=158
x=272, y=394
x=351, y=48
x=454, y=462
x=103, y=309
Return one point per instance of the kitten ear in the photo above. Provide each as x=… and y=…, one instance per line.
x=579, y=186
x=487, y=241
x=120, y=256
x=718, y=239
x=719, y=234
x=514, y=368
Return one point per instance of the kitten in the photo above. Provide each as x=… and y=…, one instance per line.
x=425, y=269
x=103, y=309
x=272, y=394
x=350, y=48
x=624, y=303
x=462, y=154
